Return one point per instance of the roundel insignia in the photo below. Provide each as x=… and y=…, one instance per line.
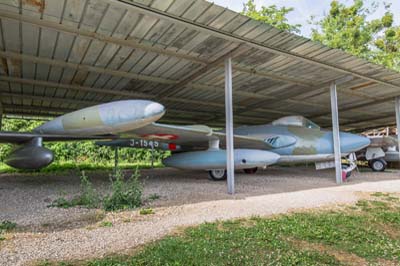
x=160, y=136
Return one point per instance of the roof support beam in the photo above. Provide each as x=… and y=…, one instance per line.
x=73, y=87
x=45, y=98
x=239, y=39
x=82, y=67
x=277, y=77
x=124, y=74
x=125, y=93
x=361, y=105
x=198, y=73
x=131, y=43
x=136, y=45
x=363, y=129
x=111, y=92
x=175, y=83
x=369, y=119
x=97, y=36
x=36, y=109
x=114, y=92
x=85, y=103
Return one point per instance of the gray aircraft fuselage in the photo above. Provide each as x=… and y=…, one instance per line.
x=296, y=143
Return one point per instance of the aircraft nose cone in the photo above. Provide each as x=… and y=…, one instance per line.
x=353, y=142
x=154, y=109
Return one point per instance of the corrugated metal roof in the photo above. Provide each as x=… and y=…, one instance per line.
x=61, y=55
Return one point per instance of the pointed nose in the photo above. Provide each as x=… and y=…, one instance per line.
x=352, y=142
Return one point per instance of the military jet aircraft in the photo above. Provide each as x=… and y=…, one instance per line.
x=289, y=139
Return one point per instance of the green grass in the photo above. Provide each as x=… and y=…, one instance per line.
x=153, y=197
x=59, y=167
x=368, y=231
x=146, y=211
x=106, y=224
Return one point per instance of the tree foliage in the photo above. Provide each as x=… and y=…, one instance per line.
x=271, y=15
x=348, y=28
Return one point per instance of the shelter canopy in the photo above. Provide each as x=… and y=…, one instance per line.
x=62, y=55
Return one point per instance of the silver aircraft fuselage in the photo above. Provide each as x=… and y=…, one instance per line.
x=302, y=144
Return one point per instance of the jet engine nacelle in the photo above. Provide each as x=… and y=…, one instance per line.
x=216, y=159
x=30, y=156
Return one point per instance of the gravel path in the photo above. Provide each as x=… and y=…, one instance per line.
x=187, y=200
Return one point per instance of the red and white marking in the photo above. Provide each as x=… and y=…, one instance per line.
x=160, y=136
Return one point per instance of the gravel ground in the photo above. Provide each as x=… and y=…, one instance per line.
x=186, y=198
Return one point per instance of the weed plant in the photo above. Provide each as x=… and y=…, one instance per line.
x=125, y=194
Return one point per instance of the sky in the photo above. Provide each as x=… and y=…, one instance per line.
x=303, y=9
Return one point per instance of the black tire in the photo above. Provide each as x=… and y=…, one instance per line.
x=378, y=165
x=217, y=174
x=250, y=171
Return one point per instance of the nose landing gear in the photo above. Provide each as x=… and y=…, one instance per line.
x=348, y=168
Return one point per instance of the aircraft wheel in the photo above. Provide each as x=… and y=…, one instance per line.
x=217, y=174
x=348, y=173
x=378, y=165
x=250, y=171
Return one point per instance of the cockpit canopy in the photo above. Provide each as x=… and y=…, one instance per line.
x=295, y=120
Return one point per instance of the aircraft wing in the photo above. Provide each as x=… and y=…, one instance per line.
x=196, y=136
x=23, y=137
x=193, y=135
x=383, y=141
x=190, y=136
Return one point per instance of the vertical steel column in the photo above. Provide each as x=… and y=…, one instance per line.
x=1, y=115
x=229, y=127
x=335, y=133
x=116, y=160
x=398, y=121
x=152, y=155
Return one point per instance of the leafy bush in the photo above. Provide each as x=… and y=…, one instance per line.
x=125, y=194
x=89, y=197
x=6, y=226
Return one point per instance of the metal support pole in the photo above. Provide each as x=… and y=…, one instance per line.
x=229, y=127
x=335, y=133
x=115, y=160
x=152, y=155
x=1, y=115
x=398, y=121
